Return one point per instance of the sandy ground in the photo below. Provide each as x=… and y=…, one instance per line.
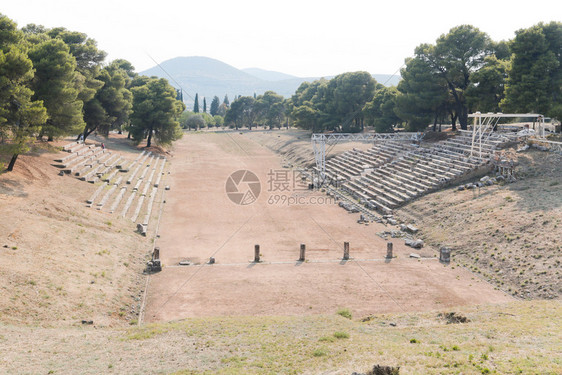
x=200, y=222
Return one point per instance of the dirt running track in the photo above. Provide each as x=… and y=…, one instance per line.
x=200, y=221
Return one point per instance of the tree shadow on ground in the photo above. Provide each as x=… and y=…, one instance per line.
x=539, y=184
x=540, y=197
x=12, y=188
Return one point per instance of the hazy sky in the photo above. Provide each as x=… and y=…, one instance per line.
x=299, y=37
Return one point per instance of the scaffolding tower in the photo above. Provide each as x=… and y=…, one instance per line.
x=485, y=124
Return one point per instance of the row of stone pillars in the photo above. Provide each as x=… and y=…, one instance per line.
x=444, y=253
x=302, y=253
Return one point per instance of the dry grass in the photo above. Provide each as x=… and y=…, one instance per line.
x=520, y=337
x=508, y=234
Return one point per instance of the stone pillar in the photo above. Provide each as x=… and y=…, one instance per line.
x=445, y=254
x=345, y=250
x=302, y=255
x=256, y=253
x=389, y=250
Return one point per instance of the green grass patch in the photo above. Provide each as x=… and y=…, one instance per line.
x=345, y=313
x=319, y=352
x=341, y=335
x=300, y=344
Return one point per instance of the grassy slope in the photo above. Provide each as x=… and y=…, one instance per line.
x=520, y=337
x=508, y=234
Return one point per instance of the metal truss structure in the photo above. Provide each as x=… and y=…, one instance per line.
x=485, y=124
x=319, y=142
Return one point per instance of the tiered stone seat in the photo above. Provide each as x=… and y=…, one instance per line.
x=356, y=163
x=90, y=175
x=398, y=187
x=128, y=203
x=68, y=159
x=98, y=191
x=149, y=206
x=136, y=213
x=160, y=173
x=118, y=199
x=126, y=166
x=73, y=147
x=401, y=172
x=137, y=185
x=70, y=145
x=336, y=169
x=382, y=192
x=356, y=190
x=82, y=157
x=409, y=181
x=106, y=196
x=90, y=163
x=90, y=160
x=349, y=166
x=111, y=175
x=425, y=166
x=357, y=160
x=139, y=164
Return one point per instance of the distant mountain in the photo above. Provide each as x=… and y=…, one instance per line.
x=268, y=75
x=209, y=77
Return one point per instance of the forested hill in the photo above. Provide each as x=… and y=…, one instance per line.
x=209, y=77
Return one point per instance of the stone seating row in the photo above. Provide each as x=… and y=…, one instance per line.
x=91, y=154
x=123, y=188
x=142, y=201
x=417, y=171
x=72, y=155
x=355, y=162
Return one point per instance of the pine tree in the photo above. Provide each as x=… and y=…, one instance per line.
x=155, y=112
x=20, y=116
x=55, y=83
x=226, y=101
x=196, y=104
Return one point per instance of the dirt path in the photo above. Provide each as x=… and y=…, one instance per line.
x=200, y=221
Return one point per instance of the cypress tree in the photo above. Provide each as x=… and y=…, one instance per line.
x=204, y=105
x=196, y=104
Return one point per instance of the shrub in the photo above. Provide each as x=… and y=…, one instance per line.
x=345, y=313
